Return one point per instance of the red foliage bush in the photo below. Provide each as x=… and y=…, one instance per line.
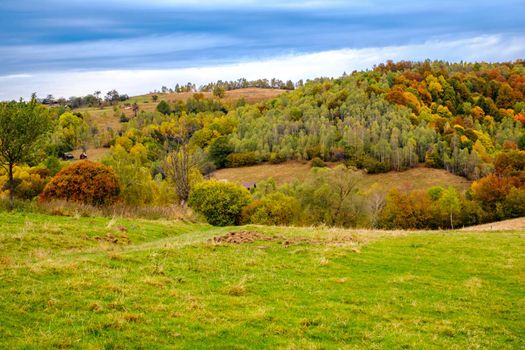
x=86, y=182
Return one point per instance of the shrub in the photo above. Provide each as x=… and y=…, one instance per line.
x=29, y=182
x=86, y=182
x=318, y=163
x=276, y=158
x=274, y=209
x=236, y=160
x=219, y=91
x=220, y=202
x=406, y=210
x=53, y=165
x=372, y=165
x=163, y=107
x=514, y=204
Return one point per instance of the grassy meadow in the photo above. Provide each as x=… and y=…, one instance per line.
x=102, y=283
x=412, y=179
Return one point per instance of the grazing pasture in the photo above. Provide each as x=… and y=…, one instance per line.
x=412, y=179
x=102, y=283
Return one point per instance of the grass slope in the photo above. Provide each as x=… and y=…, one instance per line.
x=416, y=178
x=512, y=224
x=170, y=288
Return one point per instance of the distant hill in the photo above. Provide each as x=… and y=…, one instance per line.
x=105, y=117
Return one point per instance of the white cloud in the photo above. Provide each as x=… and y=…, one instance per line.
x=148, y=45
x=295, y=67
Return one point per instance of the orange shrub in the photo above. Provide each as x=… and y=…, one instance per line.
x=86, y=182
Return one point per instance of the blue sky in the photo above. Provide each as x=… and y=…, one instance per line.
x=73, y=47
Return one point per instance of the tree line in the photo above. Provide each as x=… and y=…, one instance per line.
x=465, y=118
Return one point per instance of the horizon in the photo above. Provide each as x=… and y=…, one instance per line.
x=73, y=48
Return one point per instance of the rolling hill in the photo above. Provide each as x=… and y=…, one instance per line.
x=104, y=117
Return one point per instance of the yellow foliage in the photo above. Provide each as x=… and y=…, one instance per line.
x=459, y=128
x=125, y=142
x=482, y=151
x=477, y=112
x=412, y=101
x=139, y=152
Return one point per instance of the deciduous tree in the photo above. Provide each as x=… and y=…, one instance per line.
x=22, y=128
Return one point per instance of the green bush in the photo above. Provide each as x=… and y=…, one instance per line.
x=220, y=202
x=274, y=209
x=372, y=165
x=164, y=107
x=53, y=165
x=318, y=163
x=276, y=158
x=219, y=150
x=514, y=204
x=236, y=160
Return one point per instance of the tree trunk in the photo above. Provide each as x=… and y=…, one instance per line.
x=11, y=187
x=451, y=224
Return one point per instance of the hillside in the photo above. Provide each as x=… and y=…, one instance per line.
x=105, y=117
x=413, y=124
x=90, y=282
x=412, y=179
x=505, y=225
x=109, y=116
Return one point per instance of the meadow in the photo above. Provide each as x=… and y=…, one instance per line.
x=412, y=179
x=109, y=283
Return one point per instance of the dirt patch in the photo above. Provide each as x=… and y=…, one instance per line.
x=115, y=239
x=242, y=237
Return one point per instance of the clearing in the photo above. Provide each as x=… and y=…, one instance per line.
x=512, y=224
x=100, y=283
x=412, y=179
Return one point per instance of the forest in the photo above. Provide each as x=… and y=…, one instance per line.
x=466, y=118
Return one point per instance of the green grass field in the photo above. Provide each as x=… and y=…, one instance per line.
x=100, y=283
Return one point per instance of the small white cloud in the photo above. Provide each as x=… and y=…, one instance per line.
x=294, y=67
x=14, y=76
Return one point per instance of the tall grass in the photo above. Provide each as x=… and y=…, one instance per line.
x=75, y=209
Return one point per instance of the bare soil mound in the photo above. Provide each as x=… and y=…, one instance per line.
x=242, y=237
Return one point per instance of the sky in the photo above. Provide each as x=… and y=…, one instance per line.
x=74, y=47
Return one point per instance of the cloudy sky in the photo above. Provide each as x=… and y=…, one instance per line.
x=74, y=47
